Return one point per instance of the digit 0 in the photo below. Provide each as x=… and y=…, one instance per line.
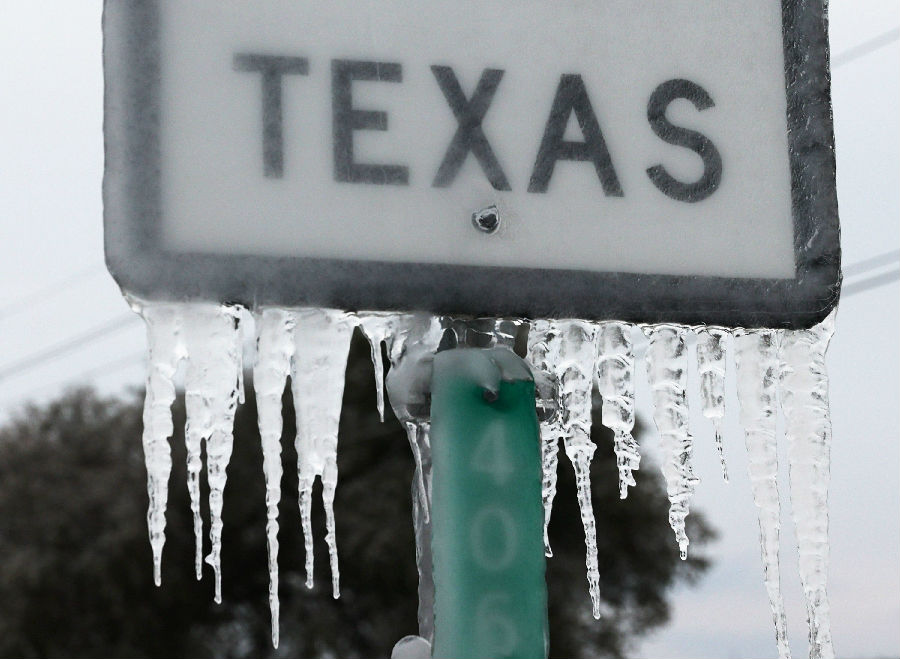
x=497, y=522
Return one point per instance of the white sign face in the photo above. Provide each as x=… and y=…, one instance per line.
x=648, y=140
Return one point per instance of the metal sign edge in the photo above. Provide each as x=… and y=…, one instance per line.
x=131, y=190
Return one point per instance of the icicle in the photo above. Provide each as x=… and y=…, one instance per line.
x=241, y=393
x=549, y=464
x=570, y=355
x=575, y=366
x=419, y=435
x=615, y=378
x=539, y=334
x=197, y=428
x=165, y=352
x=275, y=329
x=414, y=340
x=580, y=450
x=411, y=348
x=322, y=341
x=711, y=368
x=212, y=335
x=667, y=371
x=378, y=327
x=804, y=399
x=756, y=358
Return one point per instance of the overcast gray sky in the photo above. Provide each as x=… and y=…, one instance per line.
x=62, y=321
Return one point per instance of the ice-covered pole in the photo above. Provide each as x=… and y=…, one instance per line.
x=490, y=593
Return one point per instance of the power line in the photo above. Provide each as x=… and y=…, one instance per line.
x=872, y=262
x=848, y=290
x=95, y=372
x=865, y=48
x=113, y=365
x=874, y=281
x=869, y=283
x=24, y=302
x=64, y=347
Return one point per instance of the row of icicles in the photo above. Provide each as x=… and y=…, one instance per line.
x=311, y=346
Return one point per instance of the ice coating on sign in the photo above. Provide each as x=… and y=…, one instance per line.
x=212, y=388
x=711, y=369
x=804, y=400
x=322, y=341
x=566, y=349
x=275, y=348
x=615, y=381
x=540, y=333
x=756, y=358
x=165, y=351
x=667, y=372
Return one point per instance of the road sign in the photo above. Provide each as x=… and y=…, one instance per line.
x=645, y=160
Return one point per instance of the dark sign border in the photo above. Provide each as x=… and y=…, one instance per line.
x=134, y=255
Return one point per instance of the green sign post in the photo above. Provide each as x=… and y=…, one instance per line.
x=487, y=518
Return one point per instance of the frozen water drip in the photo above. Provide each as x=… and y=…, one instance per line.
x=804, y=400
x=711, y=368
x=756, y=358
x=667, y=373
x=567, y=357
x=615, y=381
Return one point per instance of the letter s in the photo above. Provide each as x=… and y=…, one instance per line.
x=659, y=102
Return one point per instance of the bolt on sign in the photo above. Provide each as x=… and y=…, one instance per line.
x=645, y=160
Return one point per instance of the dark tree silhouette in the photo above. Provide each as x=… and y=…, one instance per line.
x=76, y=575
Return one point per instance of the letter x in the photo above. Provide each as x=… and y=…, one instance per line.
x=469, y=136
